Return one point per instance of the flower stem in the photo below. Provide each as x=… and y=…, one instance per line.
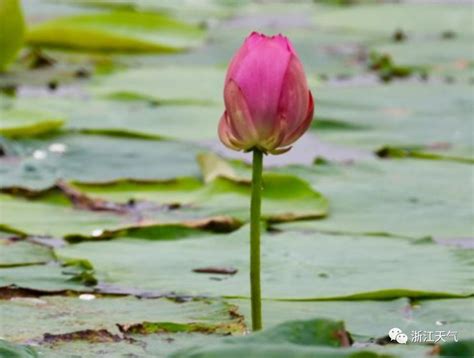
x=255, y=208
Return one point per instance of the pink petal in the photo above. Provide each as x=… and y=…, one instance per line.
x=277, y=137
x=250, y=42
x=293, y=103
x=259, y=74
x=303, y=127
x=225, y=133
x=240, y=118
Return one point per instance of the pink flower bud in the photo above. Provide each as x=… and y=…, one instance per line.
x=268, y=105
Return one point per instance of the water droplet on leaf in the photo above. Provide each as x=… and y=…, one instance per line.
x=39, y=154
x=57, y=148
x=87, y=297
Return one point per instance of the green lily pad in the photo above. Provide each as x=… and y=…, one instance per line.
x=123, y=31
x=92, y=349
x=134, y=119
x=10, y=350
x=166, y=84
x=222, y=196
x=426, y=315
x=296, y=266
x=303, y=339
x=20, y=252
x=40, y=11
x=434, y=119
x=315, y=332
x=404, y=197
x=457, y=349
x=328, y=53
x=385, y=19
x=40, y=316
x=401, y=350
x=191, y=199
x=53, y=216
x=27, y=123
x=383, y=314
x=48, y=278
x=274, y=350
x=446, y=59
x=434, y=52
x=38, y=163
x=193, y=11
x=155, y=345
x=444, y=315
x=312, y=338
x=52, y=219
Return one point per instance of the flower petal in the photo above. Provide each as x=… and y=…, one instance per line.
x=303, y=127
x=293, y=103
x=259, y=75
x=239, y=117
x=225, y=133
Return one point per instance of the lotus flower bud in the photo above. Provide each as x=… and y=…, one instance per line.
x=268, y=105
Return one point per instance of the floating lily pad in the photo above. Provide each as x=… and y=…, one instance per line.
x=133, y=119
x=156, y=345
x=20, y=252
x=385, y=19
x=51, y=219
x=24, y=217
x=37, y=164
x=262, y=350
x=373, y=319
x=167, y=84
x=48, y=278
x=165, y=344
x=435, y=53
x=311, y=338
x=193, y=11
x=303, y=339
x=222, y=196
x=85, y=348
x=435, y=119
x=27, y=123
x=444, y=315
x=8, y=349
x=37, y=11
x=40, y=316
x=327, y=53
x=295, y=266
x=404, y=197
x=458, y=349
x=116, y=31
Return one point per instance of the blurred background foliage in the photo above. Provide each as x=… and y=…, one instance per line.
x=114, y=183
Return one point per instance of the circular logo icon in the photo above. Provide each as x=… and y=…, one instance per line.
x=402, y=338
x=394, y=332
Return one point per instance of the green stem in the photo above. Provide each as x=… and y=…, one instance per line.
x=255, y=207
